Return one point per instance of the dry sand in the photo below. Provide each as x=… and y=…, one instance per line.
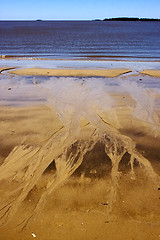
x=153, y=73
x=71, y=72
x=77, y=72
x=78, y=210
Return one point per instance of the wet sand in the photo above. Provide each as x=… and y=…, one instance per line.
x=79, y=208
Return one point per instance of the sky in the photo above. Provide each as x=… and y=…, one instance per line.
x=77, y=10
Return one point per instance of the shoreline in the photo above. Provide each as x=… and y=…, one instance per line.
x=106, y=58
x=98, y=66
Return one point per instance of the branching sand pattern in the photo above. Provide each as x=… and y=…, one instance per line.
x=68, y=146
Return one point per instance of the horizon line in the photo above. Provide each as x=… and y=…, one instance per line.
x=39, y=19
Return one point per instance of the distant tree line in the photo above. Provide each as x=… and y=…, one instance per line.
x=128, y=19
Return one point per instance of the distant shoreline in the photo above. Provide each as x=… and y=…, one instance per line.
x=134, y=19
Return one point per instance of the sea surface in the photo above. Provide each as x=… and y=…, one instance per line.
x=137, y=41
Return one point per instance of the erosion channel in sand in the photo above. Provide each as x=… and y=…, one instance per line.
x=88, y=116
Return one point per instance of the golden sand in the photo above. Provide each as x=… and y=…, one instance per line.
x=71, y=72
x=78, y=210
x=153, y=73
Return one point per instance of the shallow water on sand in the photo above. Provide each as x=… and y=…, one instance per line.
x=23, y=91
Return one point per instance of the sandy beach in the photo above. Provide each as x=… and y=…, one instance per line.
x=80, y=207
x=79, y=121
x=97, y=201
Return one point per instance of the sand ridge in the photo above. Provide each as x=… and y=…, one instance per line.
x=77, y=72
x=5, y=69
x=150, y=72
x=71, y=72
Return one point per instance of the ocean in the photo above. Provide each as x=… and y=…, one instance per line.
x=81, y=40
